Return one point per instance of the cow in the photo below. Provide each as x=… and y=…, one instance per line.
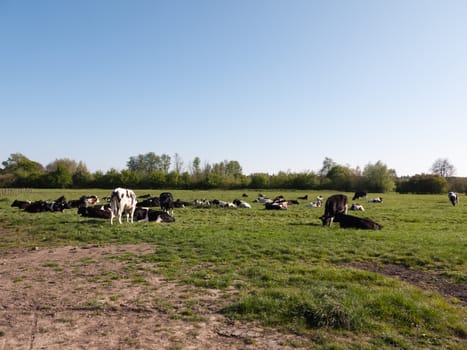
x=21, y=204
x=350, y=221
x=241, y=204
x=83, y=201
x=305, y=197
x=167, y=202
x=356, y=206
x=149, y=202
x=454, y=198
x=122, y=200
x=358, y=195
x=376, y=200
x=147, y=214
x=37, y=207
x=336, y=204
x=100, y=212
x=60, y=204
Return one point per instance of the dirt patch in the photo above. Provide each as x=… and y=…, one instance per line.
x=85, y=298
x=424, y=280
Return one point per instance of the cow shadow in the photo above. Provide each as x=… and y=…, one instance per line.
x=306, y=224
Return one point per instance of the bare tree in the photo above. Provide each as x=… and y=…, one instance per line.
x=443, y=167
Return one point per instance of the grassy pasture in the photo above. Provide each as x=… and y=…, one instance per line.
x=289, y=271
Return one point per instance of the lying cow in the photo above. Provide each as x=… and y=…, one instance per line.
x=83, y=201
x=21, y=204
x=350, y=221
x=100, y=212
x=122, y=200
x=356, y=206
x=147, y=214
x=241, y=204
x=454, y=198
x=376, y=200
x=336, y=204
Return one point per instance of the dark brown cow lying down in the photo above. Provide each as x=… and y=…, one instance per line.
x=350, y=221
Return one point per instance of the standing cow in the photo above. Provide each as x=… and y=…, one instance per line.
x=336, y=204
x=454, y=198
x=122, y=200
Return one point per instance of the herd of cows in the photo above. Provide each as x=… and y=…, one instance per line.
x=123, y=201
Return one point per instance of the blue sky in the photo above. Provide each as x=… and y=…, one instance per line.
x=277, y=85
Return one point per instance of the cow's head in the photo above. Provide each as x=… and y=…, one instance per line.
x=327, y=220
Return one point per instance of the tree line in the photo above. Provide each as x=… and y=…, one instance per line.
x=152, y=171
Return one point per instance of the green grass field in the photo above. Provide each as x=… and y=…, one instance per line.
x=290, y=271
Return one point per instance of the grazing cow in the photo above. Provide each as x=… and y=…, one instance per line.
x=376, y=200
x=350, y=221
x=454, y=198
x=147, y=214
x=100, y=212
x=356, y=206
x=167, y=202
x=336, y=204
x=358, y=195
x=21, y=204
x=122, y=200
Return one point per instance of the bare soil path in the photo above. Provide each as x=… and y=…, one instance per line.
x=85, y=298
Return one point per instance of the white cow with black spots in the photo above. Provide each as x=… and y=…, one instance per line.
x=122, y=200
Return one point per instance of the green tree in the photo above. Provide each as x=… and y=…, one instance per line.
x=378, y=178
x=340, y=178
x=61, y=177
x=259, y=180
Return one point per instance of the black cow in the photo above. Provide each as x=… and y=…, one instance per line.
x=359, y=194
x=100, y=212
x=350, y=221
x=336, y=204
x=37, y=207
x=167, y=202
x=149, y=202
x=21, y=204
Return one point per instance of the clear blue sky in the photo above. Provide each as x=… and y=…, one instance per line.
x=277, y=85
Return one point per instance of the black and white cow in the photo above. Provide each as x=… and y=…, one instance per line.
x=453, y=198
x=356, y=206
x=350, y=221
x=147, y=214
x=122, y=200
x=336, y=204
x=241, y=204
x=167, y=202
x=359, y=194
